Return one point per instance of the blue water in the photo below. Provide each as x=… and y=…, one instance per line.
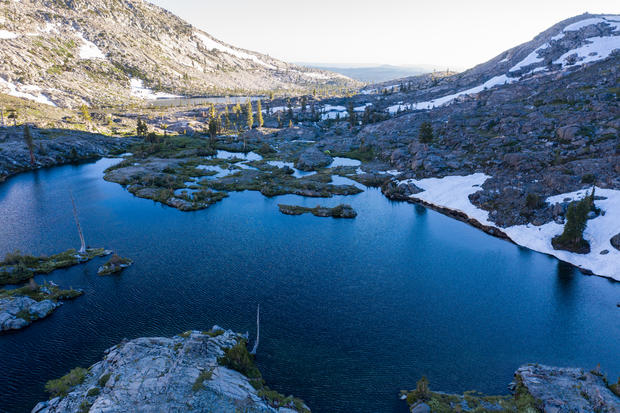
x=352, y=311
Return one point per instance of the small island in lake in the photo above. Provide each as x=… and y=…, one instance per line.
x=340, y=211
x=114, y=265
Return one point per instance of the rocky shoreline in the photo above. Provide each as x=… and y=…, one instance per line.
x=52, y=147
x=536, y=388
x=192, y=372
x=21, y=307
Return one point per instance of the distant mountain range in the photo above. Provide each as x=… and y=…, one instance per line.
x=370, y=73
x=106, y=52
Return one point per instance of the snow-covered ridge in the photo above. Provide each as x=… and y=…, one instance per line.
x=211, y=44
x=453, y=192
x=23, y=91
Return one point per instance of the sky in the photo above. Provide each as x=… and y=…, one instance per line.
x=444, y=33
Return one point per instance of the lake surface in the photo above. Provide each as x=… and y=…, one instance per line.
x=352, y=311
x=192, y=101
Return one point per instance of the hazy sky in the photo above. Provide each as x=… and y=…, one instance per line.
x=455, y=33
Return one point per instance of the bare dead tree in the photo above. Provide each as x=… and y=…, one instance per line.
x=77, y=222
x=253, y=352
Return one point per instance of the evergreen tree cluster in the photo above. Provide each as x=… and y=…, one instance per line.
x=576, y=221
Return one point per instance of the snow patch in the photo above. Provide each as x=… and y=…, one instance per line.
x=599, y=48
x=89, y=50
x=495, y=81
x=18, y=91
x=140, y=91
x=453, y=192
x=211, y=44
x=6, y=35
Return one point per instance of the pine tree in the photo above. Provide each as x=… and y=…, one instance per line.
x=249, y=114
x=213, y=130
x=29, y=143
x=212, y=111
x=426, y=132
x=142, y=128
x=576, y=221
x=352, y=116
x=259, y=114
x=85, y=113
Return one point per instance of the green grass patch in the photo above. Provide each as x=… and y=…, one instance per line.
x=62, y=386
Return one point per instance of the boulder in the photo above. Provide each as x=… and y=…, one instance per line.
x=615, y=241
x=567, y=133
x=312, y=159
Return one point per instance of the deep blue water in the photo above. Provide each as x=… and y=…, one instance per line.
x=352, y=311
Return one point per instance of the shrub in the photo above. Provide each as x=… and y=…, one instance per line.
x=533, y=201
x=93, y=392
x=103, y=380
x=588, y=179
x=204, y=375
x=62, y=386
x=238, y=358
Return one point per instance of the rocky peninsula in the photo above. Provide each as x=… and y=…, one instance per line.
x=22, y=306
x=192, y=372
x=17, y=268
x=536, y=388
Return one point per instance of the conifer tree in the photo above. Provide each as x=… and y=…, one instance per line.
x=213, y=130
x=212, y=111
x=259, y=114
x=85, y=113
x=426, y=132
x=249, y=114
x=352, y=117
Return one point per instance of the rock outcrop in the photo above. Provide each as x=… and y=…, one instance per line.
x=19, y=312
x=185, y=373
x=564, y=390
x=312, y=159
x=52, y=147
x=537, y=389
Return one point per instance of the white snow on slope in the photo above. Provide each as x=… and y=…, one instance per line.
x=614, y=21
x=17, y=91
x=88, y=49
x=453, y=192
x=444, y=100
x=530, y=59
x=598, y=48
x=5, y=35
x=211, y=44
x=138, y=90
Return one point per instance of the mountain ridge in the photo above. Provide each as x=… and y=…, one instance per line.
x=73, y=52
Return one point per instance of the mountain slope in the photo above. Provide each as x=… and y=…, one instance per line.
x=69, y=52
x=567, y=45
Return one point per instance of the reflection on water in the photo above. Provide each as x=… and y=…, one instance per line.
x=352, y=311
